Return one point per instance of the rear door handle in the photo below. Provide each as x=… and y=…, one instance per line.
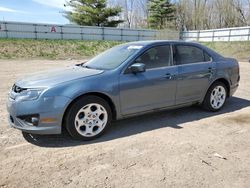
x=211, y=70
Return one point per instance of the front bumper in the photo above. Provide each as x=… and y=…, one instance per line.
x=46, y=107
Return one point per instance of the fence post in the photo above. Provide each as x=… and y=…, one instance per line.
x=5, y=25
x=248, y=38
x=138, y=35
x=61, y=32
x=103, y=33
x=213, y=36
x=81, y=33
x=35, y=30
x=229, y=35
x=121, y=34
x=198, y=35
x=180, y=35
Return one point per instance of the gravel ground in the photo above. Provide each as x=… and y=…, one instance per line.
x=187, y=147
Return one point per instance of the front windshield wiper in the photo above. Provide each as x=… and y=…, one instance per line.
x=88, y=67
x=80, y=64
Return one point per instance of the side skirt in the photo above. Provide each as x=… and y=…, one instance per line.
x=159, y=109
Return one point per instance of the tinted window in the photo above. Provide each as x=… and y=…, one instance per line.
x=156, y=57
x=207, y=57
x=189, y=54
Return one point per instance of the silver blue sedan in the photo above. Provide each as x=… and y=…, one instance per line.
x=124, y=81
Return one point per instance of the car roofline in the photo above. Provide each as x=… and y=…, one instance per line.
x=162, y=42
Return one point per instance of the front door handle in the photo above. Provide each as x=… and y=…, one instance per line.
x=168, y=76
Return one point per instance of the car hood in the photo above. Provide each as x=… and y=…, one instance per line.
x=57, y=76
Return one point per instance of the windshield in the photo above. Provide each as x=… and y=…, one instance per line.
x=113, y=57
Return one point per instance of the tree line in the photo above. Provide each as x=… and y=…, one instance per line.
x=160, y=14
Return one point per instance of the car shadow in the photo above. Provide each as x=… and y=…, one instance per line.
x=139, y=124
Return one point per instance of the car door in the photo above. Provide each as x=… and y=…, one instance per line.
x=195, y=69
x=152, y=89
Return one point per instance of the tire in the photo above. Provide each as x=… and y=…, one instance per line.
x=88, y=118
x=215, y=97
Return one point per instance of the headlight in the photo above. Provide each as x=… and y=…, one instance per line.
x=29, y=94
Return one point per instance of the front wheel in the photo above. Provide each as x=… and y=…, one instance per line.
x=88, y=118
x=216, y=97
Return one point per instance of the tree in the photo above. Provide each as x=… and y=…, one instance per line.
x=129, y=11
x=93, y=13
x=210, y=14
x=134, y=12
x=161, y=14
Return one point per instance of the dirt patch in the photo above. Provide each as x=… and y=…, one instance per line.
x=240, y=119
x=177, y=148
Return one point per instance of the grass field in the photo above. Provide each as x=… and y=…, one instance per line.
x=51, y=49
x=239, y=50
x=78, y=49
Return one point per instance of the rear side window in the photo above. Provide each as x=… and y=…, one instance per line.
x=185, y=54
x=207, y=57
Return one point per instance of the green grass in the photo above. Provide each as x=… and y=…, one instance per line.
x=51, y=49
x=78, y=49
x=239, y=50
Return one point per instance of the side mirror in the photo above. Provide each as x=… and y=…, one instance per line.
x=137, y=67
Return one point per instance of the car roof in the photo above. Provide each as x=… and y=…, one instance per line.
x=150, y=42
x=159, y=42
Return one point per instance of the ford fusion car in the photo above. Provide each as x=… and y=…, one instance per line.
x=124, y=81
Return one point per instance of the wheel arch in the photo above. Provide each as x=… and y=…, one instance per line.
x=98, y=94
x=227, y=84
x=224, y=81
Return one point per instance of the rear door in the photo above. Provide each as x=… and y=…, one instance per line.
x=195, y=68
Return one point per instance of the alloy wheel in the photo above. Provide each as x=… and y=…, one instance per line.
x=218, y=97
x=91, y=120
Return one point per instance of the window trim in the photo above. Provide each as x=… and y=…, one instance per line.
x=204, y=51
x=127, y=71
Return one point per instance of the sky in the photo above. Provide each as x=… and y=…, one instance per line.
x=38, y=11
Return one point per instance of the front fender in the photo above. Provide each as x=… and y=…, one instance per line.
x=103, y=84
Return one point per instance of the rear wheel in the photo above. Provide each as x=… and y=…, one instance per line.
x=216, y=97
x=88, y=118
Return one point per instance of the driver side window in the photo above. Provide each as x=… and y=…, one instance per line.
x=156, y=57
